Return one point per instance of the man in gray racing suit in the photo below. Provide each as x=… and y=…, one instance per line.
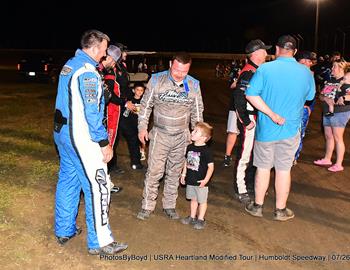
x=176, y=101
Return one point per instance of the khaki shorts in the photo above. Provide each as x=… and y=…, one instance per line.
x=232, y=123
x=278, y=154
x=195, y=192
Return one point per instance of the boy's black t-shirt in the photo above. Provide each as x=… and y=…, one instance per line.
x=198, y=158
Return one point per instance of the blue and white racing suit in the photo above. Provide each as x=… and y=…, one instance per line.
x=79, y=135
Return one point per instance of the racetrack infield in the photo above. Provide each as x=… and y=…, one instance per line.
x=232, y=238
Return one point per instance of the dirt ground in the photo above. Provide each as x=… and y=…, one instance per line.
x=317, y=238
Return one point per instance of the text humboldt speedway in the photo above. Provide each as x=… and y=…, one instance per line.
x=212, y=257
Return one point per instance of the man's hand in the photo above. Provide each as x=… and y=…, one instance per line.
x=129, y=105
x=107, y=153
x=182, y=179
x=251, y=125
x=279, y=120
x=143, y=136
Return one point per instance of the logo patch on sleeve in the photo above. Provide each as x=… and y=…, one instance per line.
x=66, y=70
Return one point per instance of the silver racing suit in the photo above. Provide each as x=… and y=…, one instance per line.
x=175, y=108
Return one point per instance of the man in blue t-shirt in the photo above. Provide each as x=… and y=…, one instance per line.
x=278, y=90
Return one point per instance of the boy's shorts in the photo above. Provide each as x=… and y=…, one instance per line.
x=339, y=119
x=278, y=154
x=195, y=192
x=232, y=123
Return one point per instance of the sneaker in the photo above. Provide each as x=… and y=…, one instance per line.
x=323, y=162
x=112, y=248
x=328, y=114
x=171, y=213
x=283, y=214
x=116, y=189
x=64, y=239
x=143, y=155
x=254, y=209
x=336, y=168
x=189, y=220
x=137, y=167
x=200, y=224
x=227, y=161
x=144, y=214
x=243, y=198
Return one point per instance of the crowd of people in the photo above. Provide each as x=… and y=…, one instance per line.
x=269, y=110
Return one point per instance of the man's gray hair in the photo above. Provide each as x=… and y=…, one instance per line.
x=92, y=38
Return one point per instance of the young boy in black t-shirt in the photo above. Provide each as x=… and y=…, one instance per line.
x=197, y=171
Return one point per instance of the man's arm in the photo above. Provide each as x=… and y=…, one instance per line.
x=94, y=111
x=146, y=107
x=198, y=107
x=239, y=97
x=260, y=105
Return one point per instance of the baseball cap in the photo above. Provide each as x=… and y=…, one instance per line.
x=114, y=52
x=305, y=55
x=255, y=45
x=287, y=42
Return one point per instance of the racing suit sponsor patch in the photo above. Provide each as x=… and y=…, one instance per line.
x=102, y=183
x=66, y=70
x=173, y=96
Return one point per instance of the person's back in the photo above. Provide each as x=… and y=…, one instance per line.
x=285, y=93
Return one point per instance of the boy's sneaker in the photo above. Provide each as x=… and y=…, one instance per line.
x=254, y=209
x=283, y=214
x=189, y=220
x=112, y=248
x=171, y=213
x=144, y=214
x=227, y=161
x=64, y=239
x=200, y=224
x=243, y=198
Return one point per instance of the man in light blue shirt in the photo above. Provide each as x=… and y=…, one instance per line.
x=278, y=90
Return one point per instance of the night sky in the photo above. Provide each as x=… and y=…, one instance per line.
x=214, y=27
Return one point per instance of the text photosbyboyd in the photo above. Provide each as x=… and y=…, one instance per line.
x=224, y=257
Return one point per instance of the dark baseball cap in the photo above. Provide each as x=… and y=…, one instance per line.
x=114, y=52
x=305, y=55
x=255, y=45
x=287, y=42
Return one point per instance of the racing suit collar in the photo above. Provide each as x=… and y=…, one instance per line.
x=81, y=53
x=250, y=62
x=184, y=82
